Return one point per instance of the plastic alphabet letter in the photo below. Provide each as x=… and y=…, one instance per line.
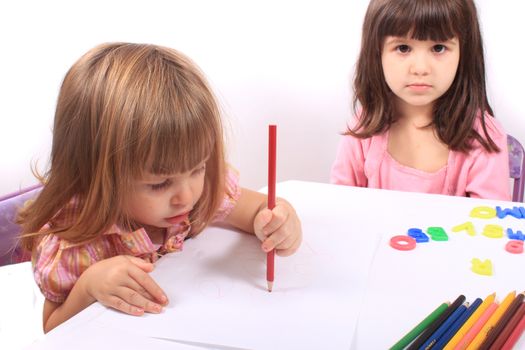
x=493, y=231
x=467, y=226
x=515, y=212
x=437, y=233
x=518, y=235
x=482, y=268
x=418, y=235
x=402, y=242
x=514, y=247
x=483, y=213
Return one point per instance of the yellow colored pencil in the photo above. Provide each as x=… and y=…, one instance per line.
x=470, y=322
x=492, y=321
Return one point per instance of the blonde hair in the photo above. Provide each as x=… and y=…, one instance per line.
x=125, y=109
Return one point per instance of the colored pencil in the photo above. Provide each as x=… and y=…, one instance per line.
x=435, y=325
x=515, y=335
x=476, y=327
x=507, y=315
x=476, y=343
x=433, y=339
x=272, y=147
x=420, y=327
x=470, y=322
x=507, y=330
x=458, y=324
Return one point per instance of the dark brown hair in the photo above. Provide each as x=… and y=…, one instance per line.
x=454, y=113
x=125, y=109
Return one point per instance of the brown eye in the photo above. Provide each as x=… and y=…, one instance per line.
x=439, y=48
x=403, y=48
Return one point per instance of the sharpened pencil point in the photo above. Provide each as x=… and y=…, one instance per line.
x=270, y=286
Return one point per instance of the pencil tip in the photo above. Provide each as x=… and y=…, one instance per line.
x=270, y=286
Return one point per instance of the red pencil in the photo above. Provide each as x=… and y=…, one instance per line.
x=515, y=335
x=272, y=146
x=509, y=327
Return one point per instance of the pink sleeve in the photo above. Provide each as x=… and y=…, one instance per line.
x=348, y=167
x=488, y=176
x=231, y=196
x=50, y=268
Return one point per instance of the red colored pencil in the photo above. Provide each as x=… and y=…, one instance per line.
x=515, y=335
x=272, y=146
x=509, y=327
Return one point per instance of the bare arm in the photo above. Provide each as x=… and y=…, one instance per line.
x=77, y=300
x=249, y=205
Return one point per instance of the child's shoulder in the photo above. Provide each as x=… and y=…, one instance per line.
x=364, y=146
x=494, y=128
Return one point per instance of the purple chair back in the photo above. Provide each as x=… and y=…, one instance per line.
x=10, y=252
x=516, y=167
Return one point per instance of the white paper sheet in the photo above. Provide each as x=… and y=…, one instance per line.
x=218, y=295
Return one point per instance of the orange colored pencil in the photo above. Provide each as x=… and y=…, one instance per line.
x=478, y=340
x=505, y=318
x=471, y=334
x=272, y=147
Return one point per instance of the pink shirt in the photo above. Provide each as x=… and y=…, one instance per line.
x=479, y=174
x=58, y=263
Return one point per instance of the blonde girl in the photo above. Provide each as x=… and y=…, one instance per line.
x=137, y=166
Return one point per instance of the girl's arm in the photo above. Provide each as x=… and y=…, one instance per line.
x=279, y=228
x=77, y=300
x=121, y=282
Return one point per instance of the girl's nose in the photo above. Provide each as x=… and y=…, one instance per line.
x=420, y=65
x=183, y=195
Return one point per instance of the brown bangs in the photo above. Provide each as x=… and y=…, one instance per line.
x=173, y=119
x=422, y=20
x=177, y=154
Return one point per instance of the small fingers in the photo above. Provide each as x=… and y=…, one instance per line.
x=289, y=246
x=261, y=220
x=279, y=215
x=283, y=243
x=131, y=301
x=132, y=284
x=273, y=241
x=145, y=281
x=120, y=304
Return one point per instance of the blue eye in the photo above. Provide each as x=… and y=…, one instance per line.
x=160, y=186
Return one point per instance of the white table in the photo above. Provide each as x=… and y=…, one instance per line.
x=346, y=288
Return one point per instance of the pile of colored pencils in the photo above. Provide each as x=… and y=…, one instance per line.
x=481, y=325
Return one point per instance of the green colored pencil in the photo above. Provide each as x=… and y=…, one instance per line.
x=417, y=330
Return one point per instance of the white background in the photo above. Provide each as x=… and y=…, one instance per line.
x=283, y=62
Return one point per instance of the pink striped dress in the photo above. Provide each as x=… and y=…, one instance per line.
x=58, y=263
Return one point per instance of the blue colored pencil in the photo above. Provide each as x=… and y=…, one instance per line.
x=445, y=338
x=432, y=340
x=416, y=344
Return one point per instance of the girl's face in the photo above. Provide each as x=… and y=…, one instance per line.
x=163, y=201
x=419, y=71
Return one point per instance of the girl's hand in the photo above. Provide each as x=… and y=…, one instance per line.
x=278, y=229
x=123, y=283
